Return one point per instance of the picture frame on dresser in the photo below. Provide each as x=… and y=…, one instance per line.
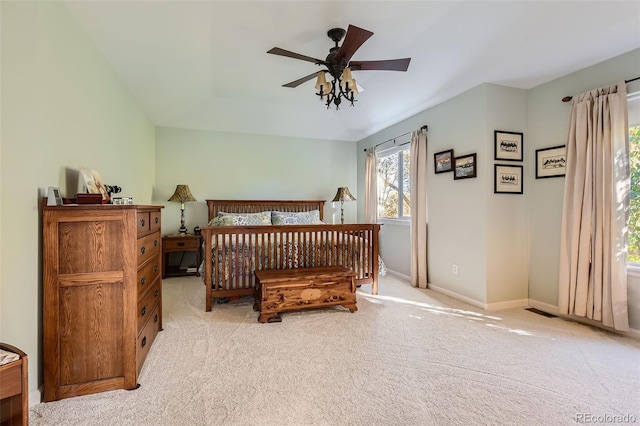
x=54, y=196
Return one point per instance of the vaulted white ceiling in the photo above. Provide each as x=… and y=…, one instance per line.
x=203, y=64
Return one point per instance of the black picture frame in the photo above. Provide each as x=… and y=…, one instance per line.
x=465, y=167
x=443, y=161
x=551, y=162
x=507, y=179
x=508, y=146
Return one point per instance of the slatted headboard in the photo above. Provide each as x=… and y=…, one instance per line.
x=257, y=206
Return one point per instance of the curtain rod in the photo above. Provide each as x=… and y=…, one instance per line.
x=568, y=98
x=425, y=128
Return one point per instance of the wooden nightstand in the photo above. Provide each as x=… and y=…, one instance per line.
x=180, y=243
x=14, y=390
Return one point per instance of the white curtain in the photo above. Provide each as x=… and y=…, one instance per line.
x=593, y=259
x=418, y=206
x=371, y=186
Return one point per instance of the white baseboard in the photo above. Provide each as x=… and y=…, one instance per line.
x=551, y=309
x=399, y=275
x=35, y=397
x=457, y=296
x=508, y=304
x=497, y=306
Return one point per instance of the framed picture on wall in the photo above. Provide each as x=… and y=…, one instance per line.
x=464, y=167
x=507, y=179
x=551, y=162
x=443, y=161
x=508, y=145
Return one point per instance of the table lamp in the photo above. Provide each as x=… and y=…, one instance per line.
x=182, y=195
x=343, y=195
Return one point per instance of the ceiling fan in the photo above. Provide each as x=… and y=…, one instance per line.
x=339, y=65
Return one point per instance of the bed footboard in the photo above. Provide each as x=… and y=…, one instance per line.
x=233, y=253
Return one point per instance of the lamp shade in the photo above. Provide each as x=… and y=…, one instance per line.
x=182, y=194
x=343, y=194
x=321, y=83
x=346, y=74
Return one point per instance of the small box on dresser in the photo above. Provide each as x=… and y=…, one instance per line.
x=102, y=296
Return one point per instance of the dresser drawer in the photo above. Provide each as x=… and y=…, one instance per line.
x=143, y=222
x=146, y=305
x=147, y=275
x=154, y=220
x=180, y=244
x=148, y=247
x=147, y=336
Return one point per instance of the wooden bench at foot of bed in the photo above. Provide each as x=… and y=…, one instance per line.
x=283, y=290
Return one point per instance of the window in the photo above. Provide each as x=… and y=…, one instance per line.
x=633, y=242
x=393, y=183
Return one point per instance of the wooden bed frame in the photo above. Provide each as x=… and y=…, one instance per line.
x=362, y=236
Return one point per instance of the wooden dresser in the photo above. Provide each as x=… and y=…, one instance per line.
x=102, y=296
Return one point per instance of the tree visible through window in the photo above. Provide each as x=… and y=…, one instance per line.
x=394, y=185
x=634, y=195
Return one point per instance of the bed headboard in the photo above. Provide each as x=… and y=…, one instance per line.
x=257, y=206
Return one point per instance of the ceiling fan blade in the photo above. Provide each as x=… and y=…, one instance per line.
x=282, y=52
x=299, y=81
x=389, y=65
x=352, y=41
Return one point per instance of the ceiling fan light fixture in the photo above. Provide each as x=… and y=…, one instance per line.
x=338, y=64
x=353, y=86
x=347, y=83
x=322, y=86
x=346, y=74
x=321, y=81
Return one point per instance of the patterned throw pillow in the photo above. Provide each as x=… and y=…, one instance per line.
x=221, y=221
x=246, y=219
x=296, y=218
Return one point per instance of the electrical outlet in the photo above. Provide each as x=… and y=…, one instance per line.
x=455, y=269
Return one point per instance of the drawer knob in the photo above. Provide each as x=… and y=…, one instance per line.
x=143, y=280
x=155, y=319
x=155, y=293
x=155, y=243
x=142, y=223
x=156, y=220
x=144, y=341
x=143, y=250
x=155, y=268
x=143, y=311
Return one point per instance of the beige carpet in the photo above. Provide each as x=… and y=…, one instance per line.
x=407, y=357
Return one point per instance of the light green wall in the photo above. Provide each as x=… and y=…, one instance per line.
x=457, y=209
x=62, y=108
x=508, y=259
x=507, y=216
x=484, y=234
x=219, y=165
x=548, y=120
